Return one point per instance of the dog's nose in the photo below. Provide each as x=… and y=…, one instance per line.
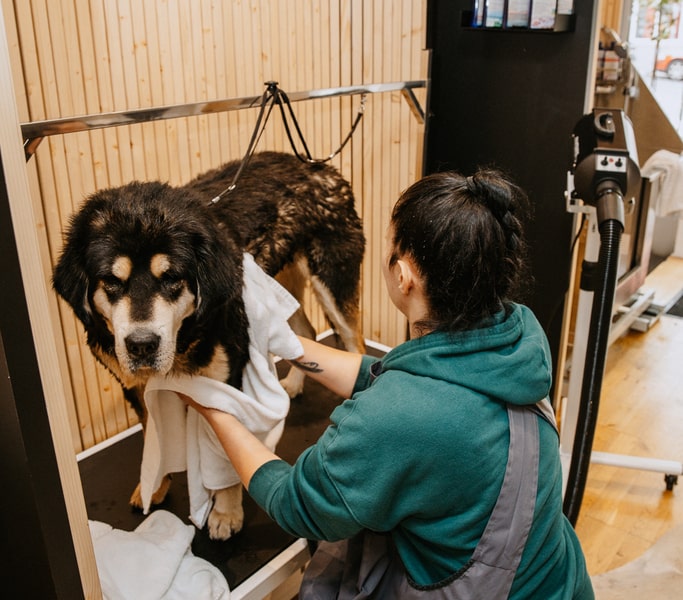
x=142, y=344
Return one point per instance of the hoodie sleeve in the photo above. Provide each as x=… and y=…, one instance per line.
x=365, y=376
x=303, y=499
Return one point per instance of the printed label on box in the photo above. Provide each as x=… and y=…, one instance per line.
x=543, y=14
x=518, y=13
x=495, y=9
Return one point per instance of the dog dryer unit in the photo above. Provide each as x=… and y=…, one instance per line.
x=604, y=166
x=605, y=184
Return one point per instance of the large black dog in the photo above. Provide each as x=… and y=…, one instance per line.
x=154, y=273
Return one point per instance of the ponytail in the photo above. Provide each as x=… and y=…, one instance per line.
x=466, y=237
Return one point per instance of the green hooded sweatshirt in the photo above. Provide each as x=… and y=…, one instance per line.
x=420, y=451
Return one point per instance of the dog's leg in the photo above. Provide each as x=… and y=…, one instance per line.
x=345, y=322
x=227, y=515
x=293, y=277
x=345, y=319
x=157, y=497
x=293, y=382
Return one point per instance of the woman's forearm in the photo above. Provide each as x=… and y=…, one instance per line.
x=336, y=369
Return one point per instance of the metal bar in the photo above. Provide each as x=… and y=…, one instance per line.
x=414, y=104
x=658, y=465
x=32, y=132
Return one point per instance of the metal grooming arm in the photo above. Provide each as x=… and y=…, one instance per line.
x=34, y=132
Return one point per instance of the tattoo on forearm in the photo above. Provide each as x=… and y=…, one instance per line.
x=310, y=367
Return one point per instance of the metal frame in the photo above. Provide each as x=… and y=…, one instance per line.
x=294, y=557
x=34, y=132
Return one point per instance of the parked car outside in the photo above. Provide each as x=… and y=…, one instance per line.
x=672, y=66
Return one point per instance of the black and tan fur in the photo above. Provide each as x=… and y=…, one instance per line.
x=154, y=273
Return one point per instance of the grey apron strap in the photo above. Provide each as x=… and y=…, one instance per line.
x=499, y=552
x=495, y=560
x=544, y=409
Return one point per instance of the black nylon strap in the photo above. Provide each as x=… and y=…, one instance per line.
x=274, y=95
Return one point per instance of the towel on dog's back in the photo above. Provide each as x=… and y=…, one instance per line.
x=177, y=439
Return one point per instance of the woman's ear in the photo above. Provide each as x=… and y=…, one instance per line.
x=406, y=275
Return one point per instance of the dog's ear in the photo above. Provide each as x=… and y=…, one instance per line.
x=219, y=272
x=69, y=277
x=220, y=303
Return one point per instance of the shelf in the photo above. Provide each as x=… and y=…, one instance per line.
x=563, y=23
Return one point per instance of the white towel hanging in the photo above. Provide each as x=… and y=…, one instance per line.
x=178, y=440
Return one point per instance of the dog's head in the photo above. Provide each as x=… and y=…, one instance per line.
x=140, y=265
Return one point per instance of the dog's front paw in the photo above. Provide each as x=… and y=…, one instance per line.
x=223, y=526
x=136, y=499
x=227, y=515
x=158, y=496
x=293, y=383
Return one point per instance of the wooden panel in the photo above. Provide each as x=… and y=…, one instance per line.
x=45, y=463
x=86, y=57
x=611, y=14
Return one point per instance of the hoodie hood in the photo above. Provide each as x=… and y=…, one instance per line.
x=507, y=359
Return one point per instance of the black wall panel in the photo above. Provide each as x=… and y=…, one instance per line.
x=511, y=99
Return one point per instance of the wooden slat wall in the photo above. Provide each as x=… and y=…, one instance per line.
x=73, y=57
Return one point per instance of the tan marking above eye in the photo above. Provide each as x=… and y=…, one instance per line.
x=122, y=268
x=99, y=223
x=160, y=264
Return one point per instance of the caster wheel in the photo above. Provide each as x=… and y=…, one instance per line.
x=671, y=481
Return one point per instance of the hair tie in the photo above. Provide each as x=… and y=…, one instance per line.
x=471, y=186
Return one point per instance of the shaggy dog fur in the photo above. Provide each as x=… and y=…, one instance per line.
x=154, y=273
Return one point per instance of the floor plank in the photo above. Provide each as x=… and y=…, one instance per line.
x=666, y=280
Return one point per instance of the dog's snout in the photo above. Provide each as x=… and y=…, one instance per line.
x=142, y=344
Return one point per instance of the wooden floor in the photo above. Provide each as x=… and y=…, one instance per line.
x=641, y=414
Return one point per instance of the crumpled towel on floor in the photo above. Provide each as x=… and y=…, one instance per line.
x=657, y=574
x=154, y=562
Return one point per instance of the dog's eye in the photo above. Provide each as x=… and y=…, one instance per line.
x=112, y=285
x=171, y=283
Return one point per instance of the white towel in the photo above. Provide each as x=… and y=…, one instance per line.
x=154, y=562
x=178, y=440
x=667, y=188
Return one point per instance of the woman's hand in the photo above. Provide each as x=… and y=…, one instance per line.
x=246, y=452
x=191, y=402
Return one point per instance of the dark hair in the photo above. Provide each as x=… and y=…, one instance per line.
x=465, y=237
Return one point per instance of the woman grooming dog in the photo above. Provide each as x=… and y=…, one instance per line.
x=440, y=476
